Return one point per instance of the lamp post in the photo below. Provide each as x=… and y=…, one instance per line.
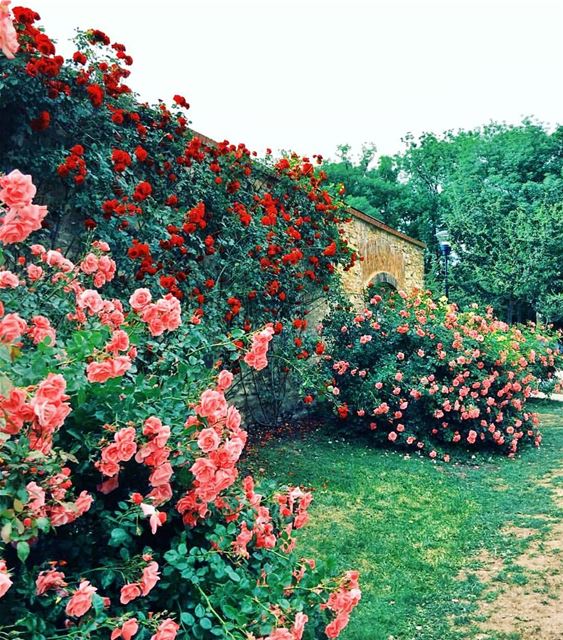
x=443, y=238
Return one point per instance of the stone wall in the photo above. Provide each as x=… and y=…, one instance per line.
x=388, y=256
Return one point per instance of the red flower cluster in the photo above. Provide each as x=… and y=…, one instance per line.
x=74, y=164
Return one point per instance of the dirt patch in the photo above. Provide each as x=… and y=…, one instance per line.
x=528, y=600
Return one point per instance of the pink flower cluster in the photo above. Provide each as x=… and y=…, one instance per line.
x=122, y=449
x=100, y=267
x=221, y=440
x=295, y=633
x=160, y=316
x=52, y=503
x=155, y=454
x=108, y=368
x=16, y=193
x=342, y=602
x=133, y=590
x=294, y=504
x=8, y=36
x=45, y=411
x=256, y=357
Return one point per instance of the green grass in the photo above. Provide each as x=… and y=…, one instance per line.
x=411, y=525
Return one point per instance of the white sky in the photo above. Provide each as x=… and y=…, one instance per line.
x=307, y=75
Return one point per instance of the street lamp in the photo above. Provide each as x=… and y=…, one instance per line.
x=443, y=238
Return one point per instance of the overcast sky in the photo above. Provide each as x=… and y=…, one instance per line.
x=307, y=75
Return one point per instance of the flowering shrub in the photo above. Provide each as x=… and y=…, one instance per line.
x=417, y=372
x=240, y=242
x=121, y=511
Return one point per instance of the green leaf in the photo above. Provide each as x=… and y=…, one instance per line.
x=205, y=623
x=187, y=618
x=23, y=550
x=118, y=537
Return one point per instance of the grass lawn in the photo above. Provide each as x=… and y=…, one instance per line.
x=412, y=526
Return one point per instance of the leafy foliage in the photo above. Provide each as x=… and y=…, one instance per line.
x=496, y=189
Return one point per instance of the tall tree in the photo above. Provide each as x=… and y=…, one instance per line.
x=498, y=189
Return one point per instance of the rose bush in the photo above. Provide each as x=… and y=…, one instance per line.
x=239, y=241
x=419, y=372
x=121, y=511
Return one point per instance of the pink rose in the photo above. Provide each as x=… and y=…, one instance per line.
x=34, y=272
x=81, y=600
x=281, y=634
x=130, y=592
x=100, y=245
x=225, y=380
x=42, y=329
x=83, y=503
x=127, y=631
x=299, y=625
x=119, y=342
x=8, y=280
x=127, y=447
x=16, y=189
x=90, y=264
x=166, y=631
x=51, y=389
x=48, y=580
x=5, y=580
x=140, y=299
x=8, y=35
x=12, y=327
x=233, y=418
x=208, y=440
x=91, y=300
x=211, y=403
x=161, y=475
x=333, y=629
x=150, y=577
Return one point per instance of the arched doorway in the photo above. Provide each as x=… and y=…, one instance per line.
x=384, y=280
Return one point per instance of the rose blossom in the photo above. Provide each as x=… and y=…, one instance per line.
x=208, y=440
x=150, y=577
x=225, y=380
x=8, y=34
x=16, y=189
x=140, y=299
x=8, y=280
x=5, y=580
x=81, y=600
x=166, y=631
x=130, y=592
x=127, y=631
x=50, y=579
x=12, y=327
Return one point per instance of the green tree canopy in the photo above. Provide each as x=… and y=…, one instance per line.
x=497, y=189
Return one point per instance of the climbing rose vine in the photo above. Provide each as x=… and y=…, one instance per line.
x=239, y=241
x=122, y=509
x=122, y=513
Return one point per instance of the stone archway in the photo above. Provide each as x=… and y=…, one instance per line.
x=385, y=279
x=388, y=256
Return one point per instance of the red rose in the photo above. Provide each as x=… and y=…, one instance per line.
x=180, y=100
x=42, y=121
x=96, y=95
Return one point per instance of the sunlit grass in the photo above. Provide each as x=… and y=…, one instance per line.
x=411, y=525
